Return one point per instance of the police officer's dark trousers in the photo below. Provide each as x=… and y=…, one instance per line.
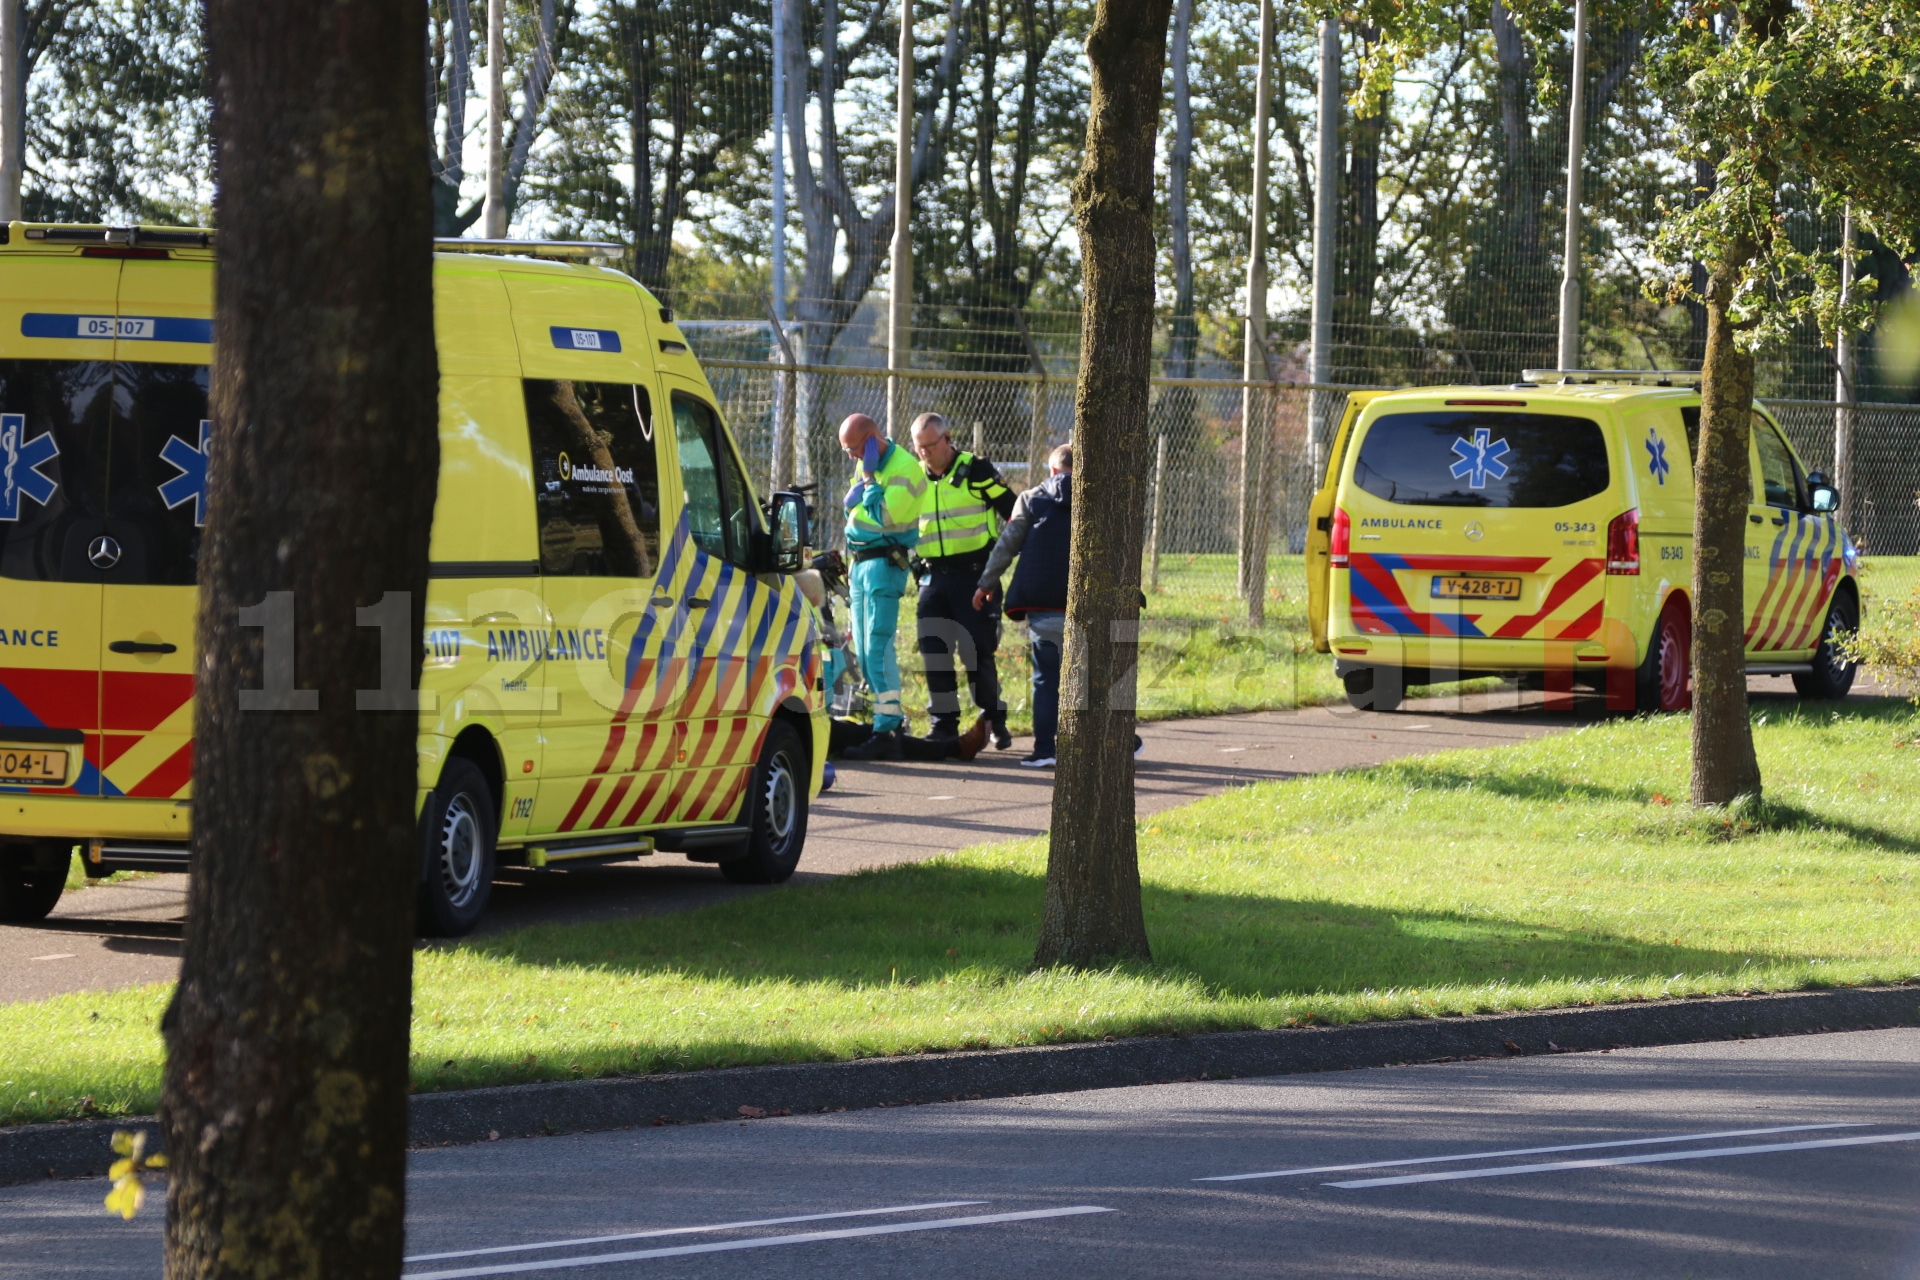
x=954, y=636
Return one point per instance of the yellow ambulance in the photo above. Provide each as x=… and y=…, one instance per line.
x=1545, y=530
x=618, y=660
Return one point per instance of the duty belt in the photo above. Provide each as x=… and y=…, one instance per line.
x=896, y=554
x=973, y=563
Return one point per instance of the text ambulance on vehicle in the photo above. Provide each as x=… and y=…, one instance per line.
x=618, y=660
x=1546, y=531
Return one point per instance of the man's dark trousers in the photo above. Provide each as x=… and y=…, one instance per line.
x=954, y=634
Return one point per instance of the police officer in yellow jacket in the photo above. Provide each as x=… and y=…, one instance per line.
x=960, y=518
x=883, y=525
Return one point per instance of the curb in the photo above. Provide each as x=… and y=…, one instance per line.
x=81, y=1148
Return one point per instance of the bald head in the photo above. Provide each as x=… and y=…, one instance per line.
x=856, y=431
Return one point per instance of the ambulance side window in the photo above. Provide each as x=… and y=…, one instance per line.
x=596, y=480
x=720, y=512
x=54, y=419
x=1778, y=476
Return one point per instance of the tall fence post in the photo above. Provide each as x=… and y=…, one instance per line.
x=785, y=450
x=1037, y=434
x=1326, y=212
x=1255, y=442
x=1158, y=509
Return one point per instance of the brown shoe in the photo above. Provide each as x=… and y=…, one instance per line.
x=974, y=739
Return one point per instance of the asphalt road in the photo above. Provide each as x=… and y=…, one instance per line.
x=877, y=815
x=1771, y=1159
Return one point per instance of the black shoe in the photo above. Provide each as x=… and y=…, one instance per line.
x=1037, y=761
x=1002, y=739
x=944, y=727
x=881, y=746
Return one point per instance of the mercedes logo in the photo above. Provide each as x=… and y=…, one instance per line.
x=103, y=552
x=1474, y=531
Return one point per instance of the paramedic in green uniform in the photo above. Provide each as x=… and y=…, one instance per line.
x=883, y=525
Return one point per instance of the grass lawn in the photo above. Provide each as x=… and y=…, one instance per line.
x=1556, y=872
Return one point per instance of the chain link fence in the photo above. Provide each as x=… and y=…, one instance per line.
x=1194, y=520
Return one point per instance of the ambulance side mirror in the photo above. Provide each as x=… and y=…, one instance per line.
x=1825, y=498
x=788, y=520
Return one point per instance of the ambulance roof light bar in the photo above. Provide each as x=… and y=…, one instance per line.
x=1630, y=377
x=591, y=251
x=131, y=237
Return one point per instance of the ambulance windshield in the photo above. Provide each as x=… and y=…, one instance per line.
x=1464, y=458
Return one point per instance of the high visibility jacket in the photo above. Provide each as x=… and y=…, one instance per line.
x=964, y=508
x=884, y=511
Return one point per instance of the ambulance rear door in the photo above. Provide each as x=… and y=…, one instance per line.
x=1319, y=566
x=56, y=394
x=149, y=552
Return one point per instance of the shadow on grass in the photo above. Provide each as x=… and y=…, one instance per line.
x=925, y=923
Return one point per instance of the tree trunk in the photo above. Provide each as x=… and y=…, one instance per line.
x=285, y=1095
x=1092, y=911
x=1724, y=765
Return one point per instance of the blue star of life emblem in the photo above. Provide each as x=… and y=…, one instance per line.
x=20, y=463
x=1657, y=464
x=191, y=484
x=1479, y=459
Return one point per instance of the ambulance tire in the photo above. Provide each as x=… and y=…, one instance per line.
x=1832, y=674
x=776, y=811
x=33, y=874
x=1665, y=680
x=458, y=829
x=1375, y=688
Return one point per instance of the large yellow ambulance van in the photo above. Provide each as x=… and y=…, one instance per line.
x=618, y=660
x=1545, y=530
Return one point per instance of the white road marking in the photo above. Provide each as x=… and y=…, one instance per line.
x=1526, y=1151
x=757, y=1242
x=686, y=1231
x=60, y=955
x=1710, y=1153
x=943, y=797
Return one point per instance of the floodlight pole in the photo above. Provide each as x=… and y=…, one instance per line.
x=493, y=210
x=1255, y=417
x=780, y=159
x=1843, y=392
x=900, y=330
x=1326, y=211
x=1569, y=356
x=13, y=109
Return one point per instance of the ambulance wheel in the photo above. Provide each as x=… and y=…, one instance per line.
x=1374, y=688
x=33, y=874
x=1833, y=671
x=776, y=813
x=1665, y=680
x=458, y=829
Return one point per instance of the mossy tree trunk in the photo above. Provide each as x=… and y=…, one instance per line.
x=285, y=1096
x=1724, y=764
x=1092, y=911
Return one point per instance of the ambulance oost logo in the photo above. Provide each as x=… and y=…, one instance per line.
x=1657, y=464
x=566, y=467
x=1479, y=459
x=191, y=484
x=20, y=463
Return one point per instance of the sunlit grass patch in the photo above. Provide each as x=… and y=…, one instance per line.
x=1562, y=871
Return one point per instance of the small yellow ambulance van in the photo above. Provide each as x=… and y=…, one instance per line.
x=618, y=660
x=1545, y=530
